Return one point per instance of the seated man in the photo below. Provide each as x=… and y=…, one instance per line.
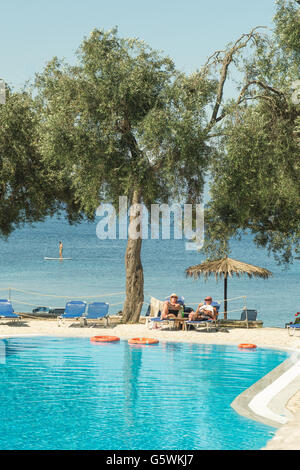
x=171, y=308
x=204, y=311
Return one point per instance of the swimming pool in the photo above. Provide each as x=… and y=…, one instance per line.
x=70, y=393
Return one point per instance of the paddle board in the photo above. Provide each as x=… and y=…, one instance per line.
x=61, y=259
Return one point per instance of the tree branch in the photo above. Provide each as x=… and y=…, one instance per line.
x=240, y=43
x=262, y=85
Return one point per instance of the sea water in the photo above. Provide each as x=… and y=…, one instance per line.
x=97, y=272
x=70, y=393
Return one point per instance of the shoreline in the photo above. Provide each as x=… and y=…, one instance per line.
x=287, y=435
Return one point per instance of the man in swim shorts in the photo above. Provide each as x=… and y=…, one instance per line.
x=60, y=249
x=205, y=311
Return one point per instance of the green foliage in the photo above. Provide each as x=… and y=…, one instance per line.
x=123, y=119
x=123, y=122
x=256, y=178
x=24, y=197
x=287, y=26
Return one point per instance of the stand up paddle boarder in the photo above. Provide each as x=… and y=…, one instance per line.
x=60, y=250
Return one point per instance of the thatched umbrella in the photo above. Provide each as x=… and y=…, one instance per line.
x=226, y=267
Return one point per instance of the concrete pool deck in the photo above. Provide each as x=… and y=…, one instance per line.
x=273, y=400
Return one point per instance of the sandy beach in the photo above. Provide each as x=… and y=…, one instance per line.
x=287, y=436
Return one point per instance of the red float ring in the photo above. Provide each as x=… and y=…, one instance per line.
x=143, y=341
x=104, y=339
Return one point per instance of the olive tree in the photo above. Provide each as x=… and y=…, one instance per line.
x=124, y=122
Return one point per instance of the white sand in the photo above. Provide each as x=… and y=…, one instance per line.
x=287, y=437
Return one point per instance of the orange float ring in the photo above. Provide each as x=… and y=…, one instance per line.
x=104, y=339
x=143, y=341
x=247, y=346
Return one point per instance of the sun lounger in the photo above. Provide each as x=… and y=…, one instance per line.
x=96, y=311
x=7, y=311
x=158, y=320
x=74, y=311
x=292, y=328
x=151, y=321
x=249, y=315
x=295, y=322
x=208, y=324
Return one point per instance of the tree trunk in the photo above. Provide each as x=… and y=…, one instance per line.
x=134, y=275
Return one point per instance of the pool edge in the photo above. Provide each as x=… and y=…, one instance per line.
x=265, y=401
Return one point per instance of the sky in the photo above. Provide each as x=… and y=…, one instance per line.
x=188, y=31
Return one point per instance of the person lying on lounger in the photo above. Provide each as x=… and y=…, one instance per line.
x=205, y=311
x=171, y=308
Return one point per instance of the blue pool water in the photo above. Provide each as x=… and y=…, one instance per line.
x=70, y=393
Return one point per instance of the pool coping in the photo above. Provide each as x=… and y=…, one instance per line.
x=265, y=401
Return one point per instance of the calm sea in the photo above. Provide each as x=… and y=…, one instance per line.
x=97, y=272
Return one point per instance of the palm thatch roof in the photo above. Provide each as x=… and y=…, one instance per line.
x=226, y=267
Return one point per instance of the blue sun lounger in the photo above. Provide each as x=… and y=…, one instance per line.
x=96, y=311
x=74, y=311
x=7, y=311
x=206, y=323
x=292, y=328
x=158, y=319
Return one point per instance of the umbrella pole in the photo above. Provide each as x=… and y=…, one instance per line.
x=225, y=297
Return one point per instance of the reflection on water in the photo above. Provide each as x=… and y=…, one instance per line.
x=2, y=352
x=132, y=363
x=9, y=347
x=70, y=393
x=176, y=347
